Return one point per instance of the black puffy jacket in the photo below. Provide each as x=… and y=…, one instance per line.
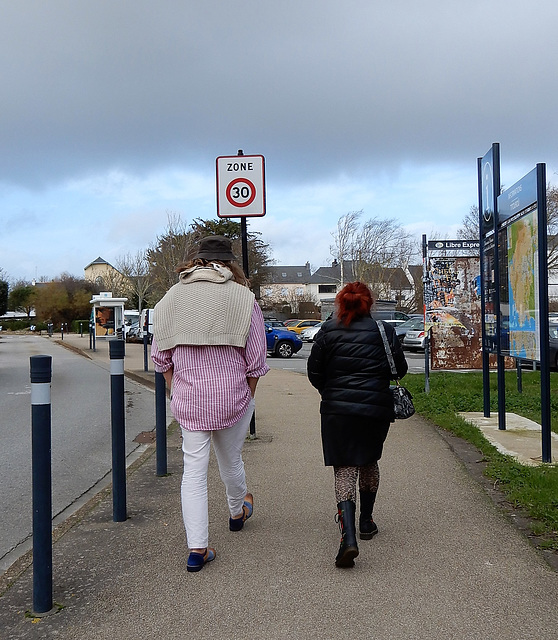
x=350, y=369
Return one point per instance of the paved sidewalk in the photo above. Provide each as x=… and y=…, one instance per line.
x=446, y=563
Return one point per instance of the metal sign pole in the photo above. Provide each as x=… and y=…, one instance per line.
x=484, y=349
x=427, y=333
x=246, y=268
x=543, y=311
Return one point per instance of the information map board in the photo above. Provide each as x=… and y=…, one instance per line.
x=518, y=237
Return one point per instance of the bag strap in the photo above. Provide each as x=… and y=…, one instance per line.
x=387, y=348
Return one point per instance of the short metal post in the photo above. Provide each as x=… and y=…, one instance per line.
x=145, y=362
x=253, y=426
x=519, y=375
x=62, y=332
x=116, y=351
x=41, y=375
x=161, y=423
x=145, y=341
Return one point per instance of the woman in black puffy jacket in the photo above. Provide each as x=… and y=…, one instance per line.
x=349, y=367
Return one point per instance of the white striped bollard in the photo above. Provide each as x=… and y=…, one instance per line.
x=118, y=421
x=41, y=376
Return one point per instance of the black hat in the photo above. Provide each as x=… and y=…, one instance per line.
x=215, y=248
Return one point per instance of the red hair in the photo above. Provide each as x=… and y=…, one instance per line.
x=353, y=301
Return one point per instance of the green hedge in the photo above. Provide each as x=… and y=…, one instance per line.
x=21, y=325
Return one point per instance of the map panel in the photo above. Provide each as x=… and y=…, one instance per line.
x=522, y=240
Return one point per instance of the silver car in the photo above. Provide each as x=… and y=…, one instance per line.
x=307, y=335
x=414, y=338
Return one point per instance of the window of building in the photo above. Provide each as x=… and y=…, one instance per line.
x=327, y=288
x=299, y=291
x=284, y=292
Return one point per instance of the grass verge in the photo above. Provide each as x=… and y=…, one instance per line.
x=532, y=490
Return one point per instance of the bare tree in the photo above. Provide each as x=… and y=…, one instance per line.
x=135, y=268
x=170, y=249
x=295, y=299
x=374, y=250
x=469, y=229
x=552, y=222
x=344, y=238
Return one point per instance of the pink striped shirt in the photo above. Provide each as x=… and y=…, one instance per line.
x=209, y=386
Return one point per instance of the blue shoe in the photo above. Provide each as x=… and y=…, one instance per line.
x=236, y=524
x=196, y=561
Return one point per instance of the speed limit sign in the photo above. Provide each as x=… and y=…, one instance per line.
x=240, y=186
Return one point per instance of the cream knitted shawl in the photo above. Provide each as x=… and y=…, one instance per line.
x=206, y=307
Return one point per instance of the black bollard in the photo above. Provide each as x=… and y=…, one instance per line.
x=161, y=423
x=41, y=375
x=116, y=351
x=145, y=353
x=253, y=426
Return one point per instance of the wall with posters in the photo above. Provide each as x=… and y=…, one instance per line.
x=453, y=311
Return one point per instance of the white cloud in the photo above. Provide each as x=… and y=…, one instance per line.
x=114, y=113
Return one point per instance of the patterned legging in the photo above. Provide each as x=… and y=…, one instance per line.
x=346, y=480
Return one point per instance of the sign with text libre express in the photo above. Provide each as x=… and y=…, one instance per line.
x=240, y=186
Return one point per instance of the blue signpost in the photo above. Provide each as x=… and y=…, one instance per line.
x=489, y=189
x=518, y=238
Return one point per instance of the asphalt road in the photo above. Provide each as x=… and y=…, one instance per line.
x=81, y=432
x=298, y=361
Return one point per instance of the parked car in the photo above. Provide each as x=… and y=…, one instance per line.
x=134, y=332
x=412, y=323
x=275, y=323
x=414, y=338
x=307, y=335
x=281, y=342
x=553, y=347
x=299, y=325
x=392, y=317
x=146, y=324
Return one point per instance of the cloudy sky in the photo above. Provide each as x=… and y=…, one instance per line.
x=114, y=111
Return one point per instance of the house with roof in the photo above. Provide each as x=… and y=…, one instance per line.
x=104, y=275
x=285, y=286
x=388, y=283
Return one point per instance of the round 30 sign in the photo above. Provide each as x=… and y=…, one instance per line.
x=240, y=186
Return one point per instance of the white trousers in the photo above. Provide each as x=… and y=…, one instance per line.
x=228, y=445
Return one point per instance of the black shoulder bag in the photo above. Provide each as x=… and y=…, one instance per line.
x=402, y=398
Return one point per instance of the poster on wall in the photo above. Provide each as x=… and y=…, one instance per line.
x=443, y=282
x=104, y=321
x=453, y=311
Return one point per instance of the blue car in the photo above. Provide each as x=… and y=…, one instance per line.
x=281, y=342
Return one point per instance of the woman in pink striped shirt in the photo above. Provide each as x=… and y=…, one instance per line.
x=209, y=343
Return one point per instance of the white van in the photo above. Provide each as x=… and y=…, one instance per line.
x=146, y=323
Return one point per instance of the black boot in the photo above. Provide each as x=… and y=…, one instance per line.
x=348, y=550
x=367, y=526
